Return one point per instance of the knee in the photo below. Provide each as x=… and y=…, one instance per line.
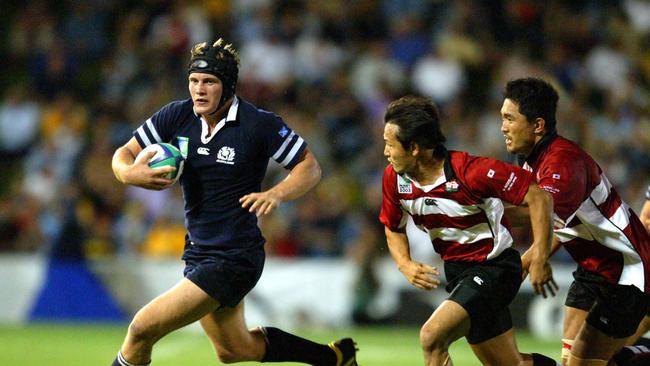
x=431, y=340
x=142, y=330
x=228, y=356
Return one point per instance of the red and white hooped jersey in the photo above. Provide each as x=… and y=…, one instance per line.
x=598, y=229
x=462, y=211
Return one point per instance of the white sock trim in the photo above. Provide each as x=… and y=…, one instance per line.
x=124, y=362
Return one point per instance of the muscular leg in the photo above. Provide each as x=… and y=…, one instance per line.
x=233, y=342
x=183, y=304
x=230, y=338
x=448, y=322
x=593, y=347
x=501, y=350
x=643, y=328
x=574, y=318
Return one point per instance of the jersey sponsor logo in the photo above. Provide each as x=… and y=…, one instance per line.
x=404, y=188
x=452, y=186
x=550, y=189
x=226, y=155
x=511, y=181
x=430, y=202
x=203, y=151
x=478, y=280
x=283, y=131
x=491, y=173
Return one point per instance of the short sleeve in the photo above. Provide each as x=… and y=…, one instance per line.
x=391, y=215
x=489, y=177
x=161, y=126
x=281, y=143
x=565, y=178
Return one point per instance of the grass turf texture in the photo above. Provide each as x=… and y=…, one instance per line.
x=82, y=345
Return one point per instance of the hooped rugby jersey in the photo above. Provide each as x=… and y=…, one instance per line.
x=462, y=211
x=598, y=229
x=222, y=167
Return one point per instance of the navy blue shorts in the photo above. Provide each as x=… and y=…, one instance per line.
x=485, y=290
x=226, y=275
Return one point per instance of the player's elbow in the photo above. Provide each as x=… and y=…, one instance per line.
x=317, y=173
x=116, y=165
x=312, y=171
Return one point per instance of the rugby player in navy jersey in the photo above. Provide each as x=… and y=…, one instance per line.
x=609, y=295
x=227, y=143
x=456, y=199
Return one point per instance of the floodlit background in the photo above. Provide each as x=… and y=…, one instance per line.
x=80, y=253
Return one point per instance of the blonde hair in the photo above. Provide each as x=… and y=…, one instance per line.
x=225, y=50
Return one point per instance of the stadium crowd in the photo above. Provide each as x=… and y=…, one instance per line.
x=79, y=76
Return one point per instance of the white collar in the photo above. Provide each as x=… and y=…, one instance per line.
x=230, y=117
x=426, y=188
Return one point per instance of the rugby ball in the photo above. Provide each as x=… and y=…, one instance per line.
x=166, y=155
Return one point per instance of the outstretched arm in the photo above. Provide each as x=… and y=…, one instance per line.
x=303, y=177
x=517, y=215
x=420, y=275
x=129, y=170
x=540, y=204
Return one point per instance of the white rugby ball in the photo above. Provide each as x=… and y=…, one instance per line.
x=166, y=155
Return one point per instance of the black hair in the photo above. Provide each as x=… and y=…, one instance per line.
x=536, y=98
x=418, y=120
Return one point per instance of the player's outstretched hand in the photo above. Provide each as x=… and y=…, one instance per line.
x=262, y=203
x=421, y=275
x=541, y=278
x=140, y=174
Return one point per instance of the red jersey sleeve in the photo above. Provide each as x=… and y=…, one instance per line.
x=488, y=177
x=565, y=177
x=391, y=214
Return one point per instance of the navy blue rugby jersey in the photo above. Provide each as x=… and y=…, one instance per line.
x=221, y=168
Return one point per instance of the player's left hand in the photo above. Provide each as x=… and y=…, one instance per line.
x=262, y=203
x=541, y=278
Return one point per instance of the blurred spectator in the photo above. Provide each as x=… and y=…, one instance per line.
x=78, y=78
x=439, y=75
x=19, y=123
x=166, y=238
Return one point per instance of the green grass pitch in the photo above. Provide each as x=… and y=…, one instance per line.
x=82, y=345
